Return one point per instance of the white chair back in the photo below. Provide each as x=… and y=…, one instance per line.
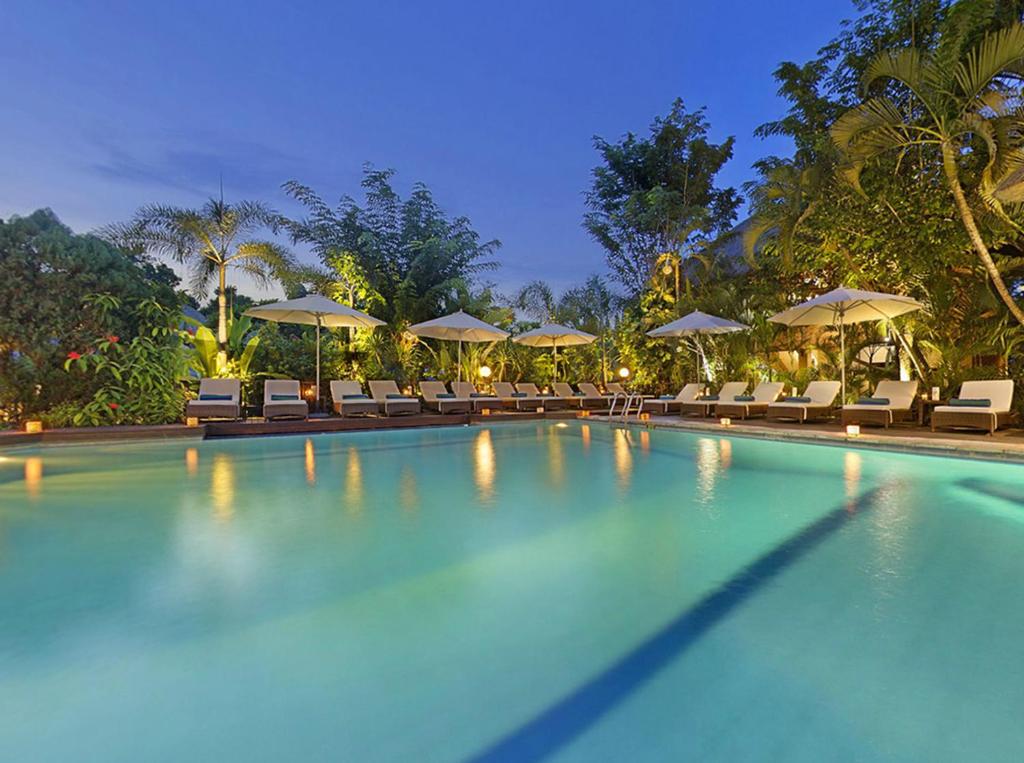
x=231, y=387
x=381, y=388
x=280, y=387
x=900, y=393
x=341, y=388
x=767, y=392
x=690, y=393
x=729, y=391
x=999, y=391
x=822, y=392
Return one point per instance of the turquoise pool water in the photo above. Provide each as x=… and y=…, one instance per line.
x=516, y=592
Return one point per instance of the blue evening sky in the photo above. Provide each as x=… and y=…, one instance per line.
x=110, y=105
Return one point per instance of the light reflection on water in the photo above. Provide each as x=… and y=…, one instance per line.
x=191, y=461
x=310, y=462
x=852, y=465
x=408, y=490
x=623, y=458
x=713, y=458
x=484, y=466
x=33, y=475
x=556, y=459
x=222, y=487
x=354, y=482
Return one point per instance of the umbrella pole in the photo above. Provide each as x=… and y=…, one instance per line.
x=842, y=354
x=554, y=354
x=458, y=368
x=316, y=390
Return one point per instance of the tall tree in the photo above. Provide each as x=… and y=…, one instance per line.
x=787, y=191
x=45, y=271
x=405, y=259
x=962, y=103
x=209, y=241
x=657, y=194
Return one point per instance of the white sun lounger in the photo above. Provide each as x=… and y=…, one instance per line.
x=702, y=406
x=436, y=396
x=998, y=413
x=764, y=395
x=519, y=401
x=550, y=402
x=662, y=406
x=349, y=399
x=283, y=398
x=385, y=392
x=582, y=399
x=218, y=399
x=480, y=401
x=818, y=401
x=900, y=396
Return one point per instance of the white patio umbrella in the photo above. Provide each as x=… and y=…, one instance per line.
x=315, y=310
x=459, y=327
x=694, y=324
x=842, y=306
x=554, y=335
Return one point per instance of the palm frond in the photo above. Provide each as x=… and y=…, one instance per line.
x=998, y=54
x=201, y=274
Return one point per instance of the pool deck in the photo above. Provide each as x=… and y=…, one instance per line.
x=261, y=427
x=1004, y=445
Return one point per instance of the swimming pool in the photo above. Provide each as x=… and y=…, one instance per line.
x=528, y=591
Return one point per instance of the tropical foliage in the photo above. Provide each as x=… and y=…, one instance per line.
x=658, y=194
x=45, y=270
x=209, y=241
x=906, y=174
x=139, y=381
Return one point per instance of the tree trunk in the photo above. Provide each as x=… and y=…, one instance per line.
x=222, y=319
x=953, y=178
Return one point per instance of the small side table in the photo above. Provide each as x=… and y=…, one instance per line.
x=924, y=409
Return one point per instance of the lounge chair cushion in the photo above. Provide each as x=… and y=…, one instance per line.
x=743, y=398
x=395, y=396
x=964, y=402
x=797, y=400
x=445, y=395
x=478, y=394
x=710, y=398
x=666, y=397
x=210, y=396
x=519, y=394
x=283, y=397
x=355, y=397
x=873, y=401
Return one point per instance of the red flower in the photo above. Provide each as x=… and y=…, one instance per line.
x=74, y=355
x=113, y=339
x=113, y=406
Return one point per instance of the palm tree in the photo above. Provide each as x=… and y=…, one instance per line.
x=960, y=102
x=787, y=193
x=209, y=240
